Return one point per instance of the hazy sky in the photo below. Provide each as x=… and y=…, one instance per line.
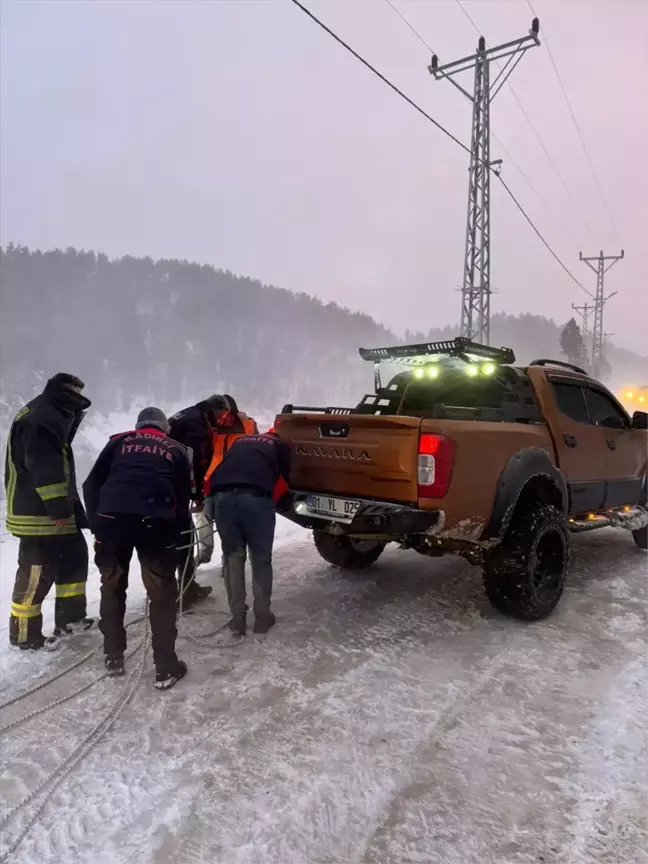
x=236, y=132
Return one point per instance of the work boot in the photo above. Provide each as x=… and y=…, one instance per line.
x=73, y=627
x=238, y=625
x=195, y=592
x=114, y=664
x=166, y=678
x=262, y=623
x=33, y=645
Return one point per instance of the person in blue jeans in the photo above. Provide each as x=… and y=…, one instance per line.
x=241, y=502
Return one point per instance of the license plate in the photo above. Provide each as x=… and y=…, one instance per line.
x=339, y=509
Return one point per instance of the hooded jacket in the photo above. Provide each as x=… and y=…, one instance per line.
x=40, y=476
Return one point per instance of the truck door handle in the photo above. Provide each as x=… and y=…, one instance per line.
x=611, y=443
x=570, y=440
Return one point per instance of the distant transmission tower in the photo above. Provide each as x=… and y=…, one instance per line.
x=585, y=312
x=599, y=302
x=476, y=290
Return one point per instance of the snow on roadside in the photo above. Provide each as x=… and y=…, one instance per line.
x=91, y=438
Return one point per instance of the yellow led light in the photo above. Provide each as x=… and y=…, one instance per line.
x=629, y=394
x=471, y=371
x=419, y=373
x=433, y=372
x=488, y=368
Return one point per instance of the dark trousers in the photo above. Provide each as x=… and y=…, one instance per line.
x=155, y=541
x=246, y=520
x=42, y=562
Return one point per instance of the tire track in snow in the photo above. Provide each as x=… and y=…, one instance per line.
x=363, y=695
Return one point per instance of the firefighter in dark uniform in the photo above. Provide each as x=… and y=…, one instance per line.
x=44, y=511
x=243, y=490
x=194, y=427
x=137, y=497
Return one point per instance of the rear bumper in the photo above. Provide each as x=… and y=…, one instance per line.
x=373, y=517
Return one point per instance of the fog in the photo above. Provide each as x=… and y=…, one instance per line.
x=240, y=135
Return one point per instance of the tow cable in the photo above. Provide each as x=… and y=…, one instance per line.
x=55, y=778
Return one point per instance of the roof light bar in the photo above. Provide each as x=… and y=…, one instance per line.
x=419, y=354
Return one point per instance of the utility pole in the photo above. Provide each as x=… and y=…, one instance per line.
x=600, y=300
x=476, y=290
x=585, y=312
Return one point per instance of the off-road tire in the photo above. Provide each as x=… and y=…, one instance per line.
x=525, y=576
x=346, y=553
x=640, y=536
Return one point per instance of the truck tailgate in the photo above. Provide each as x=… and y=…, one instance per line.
x=364, y=456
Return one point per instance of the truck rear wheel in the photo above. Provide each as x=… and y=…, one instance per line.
x=640, y=536
x=525, y=576
x=347, y=553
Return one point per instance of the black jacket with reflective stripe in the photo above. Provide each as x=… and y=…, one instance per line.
x=40, y=477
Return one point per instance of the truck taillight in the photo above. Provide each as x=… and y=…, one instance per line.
x=436, y=455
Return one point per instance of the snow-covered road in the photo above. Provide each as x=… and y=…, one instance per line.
x=391, y=716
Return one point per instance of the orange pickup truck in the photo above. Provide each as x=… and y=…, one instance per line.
x=464, y=452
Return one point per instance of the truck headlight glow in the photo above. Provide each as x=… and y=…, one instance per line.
x=472, y=371
x=488, y=368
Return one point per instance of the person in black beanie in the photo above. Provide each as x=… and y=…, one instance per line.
x=45, y=512
x=194, y=427
x=137, y=497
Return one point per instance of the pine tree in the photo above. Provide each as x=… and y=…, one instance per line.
x=571, y=341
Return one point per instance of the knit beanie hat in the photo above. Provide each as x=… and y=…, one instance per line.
x=217, y=403
x=153, y=417
x=67, y=380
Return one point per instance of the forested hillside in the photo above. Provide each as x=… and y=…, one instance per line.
x=134, y=328
x=171, y=329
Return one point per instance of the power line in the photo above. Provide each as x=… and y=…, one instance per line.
x=580, y=135
x=531, y=223
x=498, y=141
x=438, y=126
x=411, y=27
x=535, y=132
x=381, y=76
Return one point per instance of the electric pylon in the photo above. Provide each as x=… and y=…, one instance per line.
x=600, y=300
x=476, y=290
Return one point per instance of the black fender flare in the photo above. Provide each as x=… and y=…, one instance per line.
x=522, y=467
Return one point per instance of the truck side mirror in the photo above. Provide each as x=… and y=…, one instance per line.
x=640, y=420
x=613, y=422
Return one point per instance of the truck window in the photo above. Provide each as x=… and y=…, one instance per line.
x=452, y=388
x=571, y=401
x=604, y=411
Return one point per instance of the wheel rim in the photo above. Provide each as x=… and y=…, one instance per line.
x=549, y=561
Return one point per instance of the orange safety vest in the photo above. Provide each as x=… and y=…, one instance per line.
x=223, y=441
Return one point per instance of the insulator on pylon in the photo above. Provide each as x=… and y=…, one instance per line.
x=482, y=44
x=535, y=26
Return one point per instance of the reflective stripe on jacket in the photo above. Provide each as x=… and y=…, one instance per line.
x=40, y=478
